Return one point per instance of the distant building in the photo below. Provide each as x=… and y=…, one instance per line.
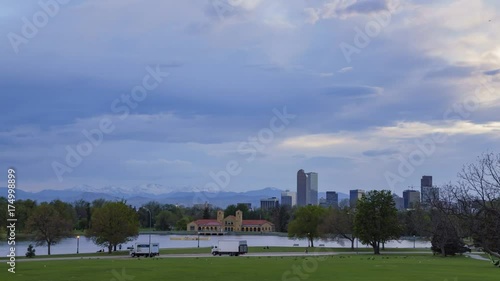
x=230, y=224
x=249, y=205
x=301, y=188
x=411, y=198
x=289, y=198
x=398, y=201
x=428, y=193
x=307, y=188
x=332, y=199
x=322, y=202
x=312, y=188
x=269, y=203
x=354, y=196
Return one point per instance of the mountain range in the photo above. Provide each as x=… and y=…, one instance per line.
x=142, y=194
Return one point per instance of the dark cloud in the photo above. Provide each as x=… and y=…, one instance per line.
x=492, y=72
x=367, y=6
x=450, y=72
x=352, y=91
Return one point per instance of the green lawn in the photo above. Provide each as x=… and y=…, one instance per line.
x=352, y=268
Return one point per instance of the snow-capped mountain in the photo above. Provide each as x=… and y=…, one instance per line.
x=140, y=190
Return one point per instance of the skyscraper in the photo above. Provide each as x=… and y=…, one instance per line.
x=312, y=188
x=332, y=199
x=427, y=191
x=301, y=188
x=411, y=198
x=354, y=196
x=289, y=198
x=426, y=181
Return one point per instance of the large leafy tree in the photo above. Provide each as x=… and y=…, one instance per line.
x=165, y=220
x=376, y=219
x=306, y=223
x=112, y=224
x=339, y=224
x=48, y=225
x=83, y=214
x=280, y=217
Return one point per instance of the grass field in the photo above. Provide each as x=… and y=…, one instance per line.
x=386, y=268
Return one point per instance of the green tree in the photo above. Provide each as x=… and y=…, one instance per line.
x=182, y=223
x=376, y=219
x=306, y=223
x=30, y=253
x=83, y=214
x=339, y=224
x=280, y=217
x=230, y=210
x=48, y=226
x=165, y=220
x=154, y=207
x=112, y=224
x=66, y=210
x=206, y=213
x=3, y=233
x=24, y=209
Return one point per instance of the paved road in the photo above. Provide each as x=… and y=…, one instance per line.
x=274, y=254
x=478, y=257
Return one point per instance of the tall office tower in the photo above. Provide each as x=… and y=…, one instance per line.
x=427, y=191
x=411, y=198
x=312, y=188
x=426, y=181
x=399, y=202
x=354, y=196
x=269, y=203
x=332, y=199
x=289, y=198
x=301, y=188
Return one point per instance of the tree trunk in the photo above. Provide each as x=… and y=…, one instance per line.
x=114, y=248
x=352, y=244
x=491, y=253
x=110, y=248
x=312, y=243
x=376, y=248
x=48, y=249
x=383, y=246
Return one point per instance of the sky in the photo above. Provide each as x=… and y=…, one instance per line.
x=239, y=95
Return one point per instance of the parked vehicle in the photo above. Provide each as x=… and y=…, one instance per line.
x=230, y=247
x=140, y=249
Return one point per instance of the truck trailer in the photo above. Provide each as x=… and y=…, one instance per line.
x=230, y=247
x=141, y=249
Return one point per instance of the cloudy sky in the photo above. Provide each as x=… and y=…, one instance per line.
x=369, y=94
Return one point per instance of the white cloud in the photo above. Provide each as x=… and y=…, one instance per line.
x=345, y=69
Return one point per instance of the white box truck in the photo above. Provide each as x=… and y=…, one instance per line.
x=141, y=249
x=230, y=247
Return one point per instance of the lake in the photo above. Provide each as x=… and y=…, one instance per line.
x=69, y=245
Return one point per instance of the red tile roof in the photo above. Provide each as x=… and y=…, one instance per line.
x=207, y=222
x=254, y=222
